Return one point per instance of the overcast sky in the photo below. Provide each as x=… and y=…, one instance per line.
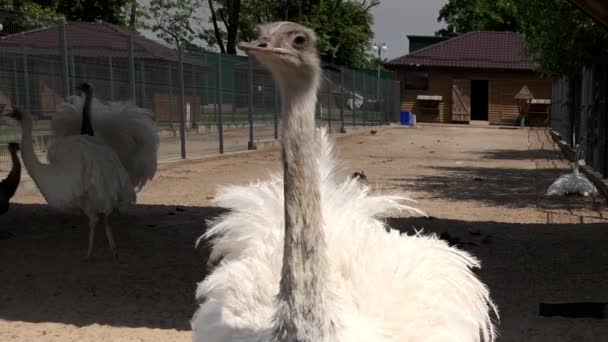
x=394, y=19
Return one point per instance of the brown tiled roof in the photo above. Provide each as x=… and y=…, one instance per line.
x=480, y=49
x=89, y=40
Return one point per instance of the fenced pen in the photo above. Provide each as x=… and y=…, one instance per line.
x=204, y=103
x=580, y=114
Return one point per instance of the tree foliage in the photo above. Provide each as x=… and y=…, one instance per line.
x=172, y=20
x=560, y=36
x=344, y=27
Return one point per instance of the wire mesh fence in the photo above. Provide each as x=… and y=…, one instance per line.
x=580, y=114
x=204, y=103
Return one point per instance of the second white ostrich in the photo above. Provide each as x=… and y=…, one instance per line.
x=306, y=258
x=128, y=129
x=83, y=174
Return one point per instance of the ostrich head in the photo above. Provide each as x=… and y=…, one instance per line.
x=13, y=147
x=85, y=87
x=288, y=50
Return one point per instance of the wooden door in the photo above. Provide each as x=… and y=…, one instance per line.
x=461, y=100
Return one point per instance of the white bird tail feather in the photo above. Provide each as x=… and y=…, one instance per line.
x=128, y=129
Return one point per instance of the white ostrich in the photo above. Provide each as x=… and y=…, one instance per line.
x=306, y=258
x=83, y=174
x=9, y=185
x=129, y=130
x=573, y=183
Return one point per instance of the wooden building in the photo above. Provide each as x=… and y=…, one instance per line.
x=473, y=77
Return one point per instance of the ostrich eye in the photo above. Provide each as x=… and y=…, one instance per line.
x=299, y=41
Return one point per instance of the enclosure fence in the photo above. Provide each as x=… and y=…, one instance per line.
x=580, y=114
x=204, y=103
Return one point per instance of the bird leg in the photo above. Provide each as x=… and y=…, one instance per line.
x=93, y=220
x=109, y=235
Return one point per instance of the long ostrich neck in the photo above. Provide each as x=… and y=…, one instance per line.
x=12, y=180
x=302, y=312
x=86, y=127
x=30, y=160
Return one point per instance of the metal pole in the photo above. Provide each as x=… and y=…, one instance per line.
x=170, y=78
x=111, y=71
x=132, y=70
x=194, y=109
x=182, y=104
x=26, y=83
x=72, y=70
x=15, y=81
x=329, y=84
x=276, y=112
x=354, y=108
x=142, y=77
x=65, y=73
x=251, y=144
x=220, y=123
x=342, y=130
x=378, y=83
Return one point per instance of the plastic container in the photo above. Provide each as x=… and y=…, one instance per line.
x=406, y=118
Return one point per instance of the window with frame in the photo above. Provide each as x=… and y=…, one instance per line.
x=416, y=80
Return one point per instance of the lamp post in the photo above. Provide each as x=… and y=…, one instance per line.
x=379, y=48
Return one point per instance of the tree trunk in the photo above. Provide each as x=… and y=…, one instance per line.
x=233, y=26
x=132, y=14
x=216, y=29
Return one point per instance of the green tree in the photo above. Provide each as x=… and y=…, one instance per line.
x=344, y=27
x=172, y=20
x=560, y=36
x=471, y=15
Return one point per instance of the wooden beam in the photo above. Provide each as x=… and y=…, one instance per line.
x=597, y=9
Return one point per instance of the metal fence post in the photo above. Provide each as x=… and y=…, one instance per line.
x=131, y=63
x=342, y=130
x=354, y=106
x=170, y=78
x=65, y=73
x=276, y=111
x=220, y=119
x=364, y=107
x=250, y=144
x=182, y=100
x=111, y=72
x=26, y=83
x=142, y=70
x=329, y=84
x=15, y=81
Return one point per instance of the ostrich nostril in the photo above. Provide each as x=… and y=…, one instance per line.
x=263, y=45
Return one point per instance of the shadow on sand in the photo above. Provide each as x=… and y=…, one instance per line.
x=45, y=279
x=525, y=264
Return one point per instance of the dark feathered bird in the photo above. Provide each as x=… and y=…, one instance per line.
x=9, y=185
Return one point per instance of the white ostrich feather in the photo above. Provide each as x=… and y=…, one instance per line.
x=385, y=286
x=573, y=183
x=84, y=174
x=129, y=130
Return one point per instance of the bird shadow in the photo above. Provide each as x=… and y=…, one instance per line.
x=524, y=265
x=539, y=154
x=45, y=278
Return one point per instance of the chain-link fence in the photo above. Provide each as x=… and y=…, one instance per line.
x=204, y=103
x=580, y=114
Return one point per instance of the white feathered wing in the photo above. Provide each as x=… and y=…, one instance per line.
x=386, y=286
x=84, y=173
x=129, y=130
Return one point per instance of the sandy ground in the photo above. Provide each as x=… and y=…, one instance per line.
x=483, y=186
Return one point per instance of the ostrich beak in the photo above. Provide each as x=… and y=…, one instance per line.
x=259, y=47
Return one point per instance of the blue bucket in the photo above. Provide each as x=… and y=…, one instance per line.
x=406, y=118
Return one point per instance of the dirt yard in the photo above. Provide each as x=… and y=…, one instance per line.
x=482, y=186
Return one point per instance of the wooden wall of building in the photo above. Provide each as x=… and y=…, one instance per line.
x=502, y=87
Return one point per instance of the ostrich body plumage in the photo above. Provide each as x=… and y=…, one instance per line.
x=306, y=256
x=129, y=130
